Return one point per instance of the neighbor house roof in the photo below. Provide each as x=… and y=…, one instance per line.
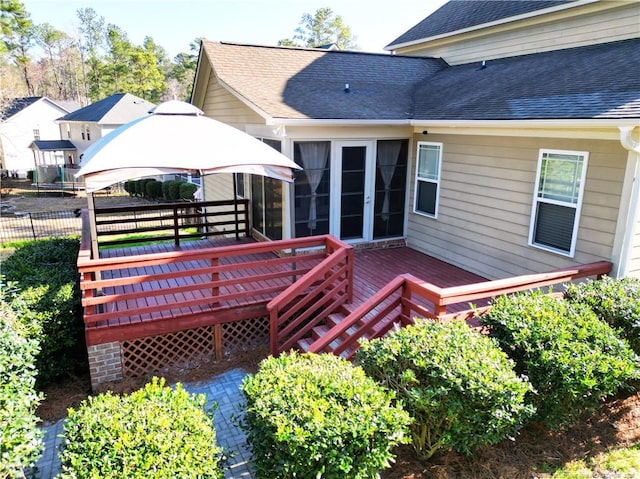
x=116, y=109
x=16, y=105
x=312, y=83
x=458, y=15
x=598, y=81
x=52, y=145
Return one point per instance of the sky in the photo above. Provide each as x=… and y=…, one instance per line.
x=173, y=24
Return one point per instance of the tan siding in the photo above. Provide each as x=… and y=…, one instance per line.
x=486, y=195
x=618, y=22
x=634, y=259
x=223, y=106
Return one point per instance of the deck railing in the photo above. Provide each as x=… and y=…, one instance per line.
x=407, y=297
x=176, y=221
x=190, y=288
x=314, y=296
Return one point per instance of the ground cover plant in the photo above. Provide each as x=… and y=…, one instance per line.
x=48, y=304
x=156, y=432
x=573, y=359
x=318, y=416
x=20, y=440
x=616, y=301
x=458, y=386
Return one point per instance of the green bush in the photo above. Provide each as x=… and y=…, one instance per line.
x=141, y=186
x=156, y=432
x=187, y=190
x=49, y=304
x=130, y=187
x=616, y=301
x=457, y=385
x=171, y=189
x=20, y=439
x=312, y=416
x=572, y=358
x=153, y=189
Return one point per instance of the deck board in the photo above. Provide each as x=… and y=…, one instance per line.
x=373, y=269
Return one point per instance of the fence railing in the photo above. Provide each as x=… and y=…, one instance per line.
x=176, y=221
x=33, y=226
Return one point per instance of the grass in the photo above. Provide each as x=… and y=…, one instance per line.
x=145, y=239
x=619, y=462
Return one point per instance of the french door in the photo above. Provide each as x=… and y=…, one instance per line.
x=352, y=190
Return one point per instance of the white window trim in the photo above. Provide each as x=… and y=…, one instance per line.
x=577, y=206
x=437, y=182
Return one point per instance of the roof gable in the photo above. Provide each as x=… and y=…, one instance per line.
x=116, y=109
x=17, y=105
x=320, y=84
x=458, y=15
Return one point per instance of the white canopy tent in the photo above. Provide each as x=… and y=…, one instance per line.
x=175, y=137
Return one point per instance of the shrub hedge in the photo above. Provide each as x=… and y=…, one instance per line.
x=457, y=385
x=20, y=439
x=572, y=358
x=156, y=432
x=318, y=416
x=616, y=301
x=48, y=304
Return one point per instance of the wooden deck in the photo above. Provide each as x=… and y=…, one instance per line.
x=166, y=294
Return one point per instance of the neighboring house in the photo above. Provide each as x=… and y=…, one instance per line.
x=502, y=137
x=23, y=121
x=86, y=125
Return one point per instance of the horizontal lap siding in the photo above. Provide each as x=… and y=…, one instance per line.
x=617, y=23
x=486, y=194
x=634, y=260
x=221, y=105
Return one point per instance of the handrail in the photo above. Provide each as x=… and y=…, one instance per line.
x=327, y=286
x=437, y=300
x=153, y=219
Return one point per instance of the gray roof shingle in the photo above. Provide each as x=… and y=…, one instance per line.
x=310, y=83
x=597, y=81
x=116, y=109
x=52, y=145
x=16, y=105
x=460, y=14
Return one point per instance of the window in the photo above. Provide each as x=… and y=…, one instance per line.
x=429, y=159
x=86, y=133
x=311, y=188
x=557, y=200
x=390, y=188
x=36, y=134
x=266, y=201
x=239, y=179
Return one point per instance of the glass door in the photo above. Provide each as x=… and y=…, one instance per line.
x=351, y=221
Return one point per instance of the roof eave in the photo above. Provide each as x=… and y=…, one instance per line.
x=336, y=122
x=502, y=21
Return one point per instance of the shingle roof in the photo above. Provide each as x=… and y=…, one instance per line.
x=16, y=105
x=116, y=109
x=598, y=81
x=310, y=83
x=52, y=145
x=460, y=14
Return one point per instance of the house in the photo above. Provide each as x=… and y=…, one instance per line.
x=23, y=121
x=86, y=125
x=501, y=137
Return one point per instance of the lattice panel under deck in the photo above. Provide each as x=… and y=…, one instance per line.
x=244, y=335
x=182, y=349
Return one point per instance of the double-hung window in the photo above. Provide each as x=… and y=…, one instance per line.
x=429, y=160
x=557, y=200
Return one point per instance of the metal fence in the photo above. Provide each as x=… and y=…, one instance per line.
x=32, y=226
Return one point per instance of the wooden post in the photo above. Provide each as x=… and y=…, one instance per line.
x=215, y=277
x=235, y=206
x=176, y=227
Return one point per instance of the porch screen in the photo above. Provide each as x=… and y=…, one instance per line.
x=266, y=201
x=391, y=179
x=557, y=200
x=312, y=188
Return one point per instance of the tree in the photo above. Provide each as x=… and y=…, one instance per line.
x=17, y=36
x=323, y=28
x=92, y=27
x=183, y=71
